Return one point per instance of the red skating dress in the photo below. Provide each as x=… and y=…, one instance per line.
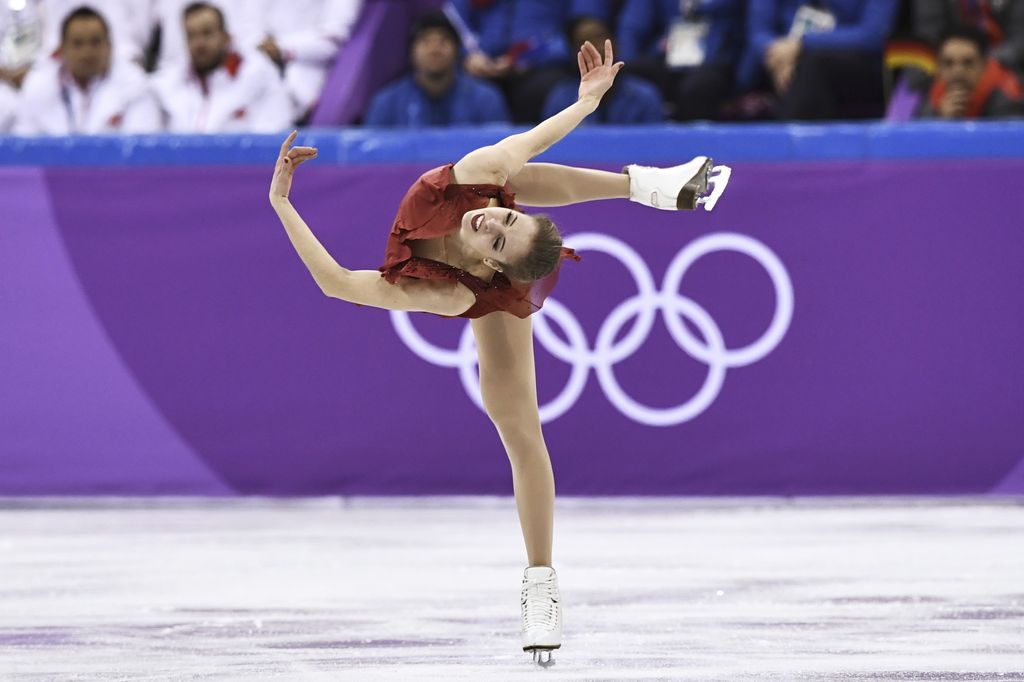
x=432, y=208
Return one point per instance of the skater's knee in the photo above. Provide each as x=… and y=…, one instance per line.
x=515, y=424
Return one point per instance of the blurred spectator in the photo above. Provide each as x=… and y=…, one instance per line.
x=82, y=90
x=30, y=29
x=1002, y=21
x=521, y=45
x=630, y=99
x=690, y=48
x=131, y=24
x=823, y=62
x=302, y=37
x=220, y=90
x=436, y=93
x=241, y=16
x=970, y=85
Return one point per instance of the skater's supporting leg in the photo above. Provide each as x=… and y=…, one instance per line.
x=549, y=184
x=508, y=384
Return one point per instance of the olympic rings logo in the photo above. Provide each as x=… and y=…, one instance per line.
x=644, y=306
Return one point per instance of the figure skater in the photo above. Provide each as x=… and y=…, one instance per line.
x=460, y=247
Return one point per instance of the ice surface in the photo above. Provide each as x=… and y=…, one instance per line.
x=428, y=589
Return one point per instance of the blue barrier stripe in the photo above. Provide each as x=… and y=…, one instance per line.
x=638, y=144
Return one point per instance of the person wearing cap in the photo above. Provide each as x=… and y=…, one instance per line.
x=436, y=92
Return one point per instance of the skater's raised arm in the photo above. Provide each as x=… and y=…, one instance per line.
x=497, y=163
x=365, y=287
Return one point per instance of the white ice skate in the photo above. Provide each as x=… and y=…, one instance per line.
x=683, y=187
x=542, y=614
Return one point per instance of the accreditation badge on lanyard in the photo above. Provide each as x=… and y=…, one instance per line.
x=684, y=45
x=811, y=20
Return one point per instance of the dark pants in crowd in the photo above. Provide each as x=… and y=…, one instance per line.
x=834, y=84
x=527, y=91
x=693, y=94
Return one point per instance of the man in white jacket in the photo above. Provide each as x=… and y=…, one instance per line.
x=81, y=90
x=303, y=37
x=130, y=22
x=241, y=16
x=221, y=90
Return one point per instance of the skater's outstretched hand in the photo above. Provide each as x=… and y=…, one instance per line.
x=596, y=74
x=287, y=161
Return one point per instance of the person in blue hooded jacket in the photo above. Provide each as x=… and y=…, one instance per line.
x=437, y=92
x=696, y=85
x=520, y=45
x=823, y=59
x=631, y=100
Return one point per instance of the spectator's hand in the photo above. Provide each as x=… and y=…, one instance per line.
x=780, y=61
x=782, y=77
x=287, y=161
x=782, y=52
x=270, y=48
x=954, y=102
x=596, y=76
x=480, y=65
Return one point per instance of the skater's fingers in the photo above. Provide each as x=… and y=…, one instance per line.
x=298, y=157
x=608, y=52
x=593, y=54
x=288, y=141
x=618, y=66
x=588, y=57
x=583, y=65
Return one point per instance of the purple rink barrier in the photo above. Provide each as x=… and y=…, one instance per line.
x=160, y=335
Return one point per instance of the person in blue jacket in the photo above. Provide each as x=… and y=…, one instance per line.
x=436, y=93
x=520, y=45
x=697, y=88
x=823, y=59
x=630, y=100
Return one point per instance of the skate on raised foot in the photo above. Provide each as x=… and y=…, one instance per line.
x=682, y=187
x=542, y=614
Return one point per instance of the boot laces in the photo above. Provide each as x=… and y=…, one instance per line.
x=540, y=604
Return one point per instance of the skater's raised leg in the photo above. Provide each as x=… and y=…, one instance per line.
x=684, y=187
x=551, y=184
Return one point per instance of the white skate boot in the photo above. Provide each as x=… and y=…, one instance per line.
x=542, y=613
x=683, y=187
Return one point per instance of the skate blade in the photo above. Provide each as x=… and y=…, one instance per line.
x=542, y=656
x=719, y=180
x=691, y=193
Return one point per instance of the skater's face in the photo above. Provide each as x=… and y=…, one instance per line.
x=85, y=48
x=498, y=235
x=960, y=64
x=208, y=41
